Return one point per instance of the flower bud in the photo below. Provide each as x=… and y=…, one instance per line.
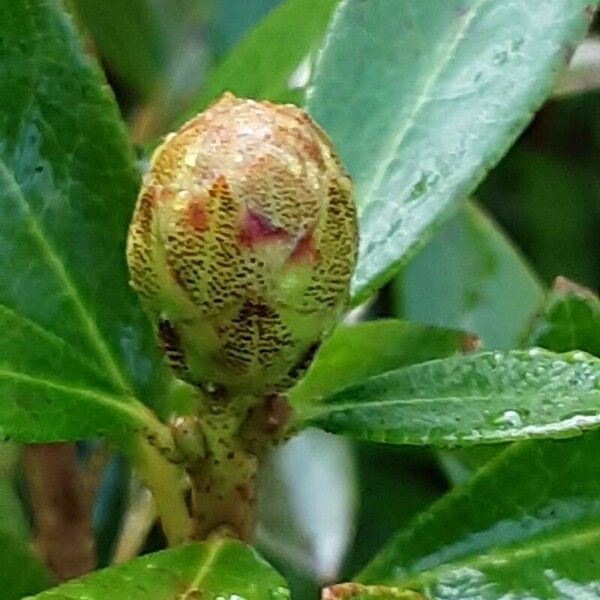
x=242, y=245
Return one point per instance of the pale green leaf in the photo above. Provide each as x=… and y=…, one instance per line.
x=422, y=98
x=491, y=397
x=222, y=569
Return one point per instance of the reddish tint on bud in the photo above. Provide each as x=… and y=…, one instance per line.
x=243, y=243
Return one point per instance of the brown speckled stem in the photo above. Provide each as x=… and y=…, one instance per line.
x=224, y=479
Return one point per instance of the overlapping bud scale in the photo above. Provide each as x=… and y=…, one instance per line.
x=243, y=243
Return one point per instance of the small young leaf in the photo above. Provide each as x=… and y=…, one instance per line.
x=430, y=110
x=221, y=569
x=571, y=319
x=489, y=397
x=76, y=348
x=355, y=352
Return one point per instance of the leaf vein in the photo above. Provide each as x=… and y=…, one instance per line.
x=52, y=259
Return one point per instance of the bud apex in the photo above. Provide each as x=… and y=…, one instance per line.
x=243, y=243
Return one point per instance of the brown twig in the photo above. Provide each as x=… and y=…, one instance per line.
x=61, y=509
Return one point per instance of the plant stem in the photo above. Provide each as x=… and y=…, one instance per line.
x=224, y=492
x=164, y=480
x=61, y=508
x=237, y=434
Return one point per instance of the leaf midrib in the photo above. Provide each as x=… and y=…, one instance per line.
x=213, y=554
x=422, y=99
x=314, y=412
x=51, y=337
x=123, y=404
x=52, y=259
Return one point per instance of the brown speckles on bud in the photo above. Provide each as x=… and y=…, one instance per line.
x=244, y=242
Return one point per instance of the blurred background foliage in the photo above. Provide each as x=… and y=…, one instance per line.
x=321, y=492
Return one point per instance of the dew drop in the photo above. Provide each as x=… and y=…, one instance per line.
x=510, y=417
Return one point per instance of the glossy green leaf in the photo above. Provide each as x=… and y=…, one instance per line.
x=469, y=276
x=261, y=65
x=76, y=348
x=571, y=319
x=489, y=397
x=21, y=572
x=223, y=569
x=355, y=352
x=527, y=524
x=433, y=93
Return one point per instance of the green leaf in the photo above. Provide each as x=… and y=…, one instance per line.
x=396, y=483
x=571, y=319
x=272, y=52
x=130, y=39
x=210, y=570
x=21, y=573
x=231, y=19
x=470, y=277
x=155, y=48
x=76, y=348
x=12, y=516
x=355, y=352
x=527, y=524
x=489, y=397
x=433, y=93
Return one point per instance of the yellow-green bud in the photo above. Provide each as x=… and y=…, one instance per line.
x=243, y=243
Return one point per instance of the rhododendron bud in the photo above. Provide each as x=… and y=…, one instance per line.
x=243, y=243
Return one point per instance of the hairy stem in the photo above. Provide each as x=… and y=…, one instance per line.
x=61, y=509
